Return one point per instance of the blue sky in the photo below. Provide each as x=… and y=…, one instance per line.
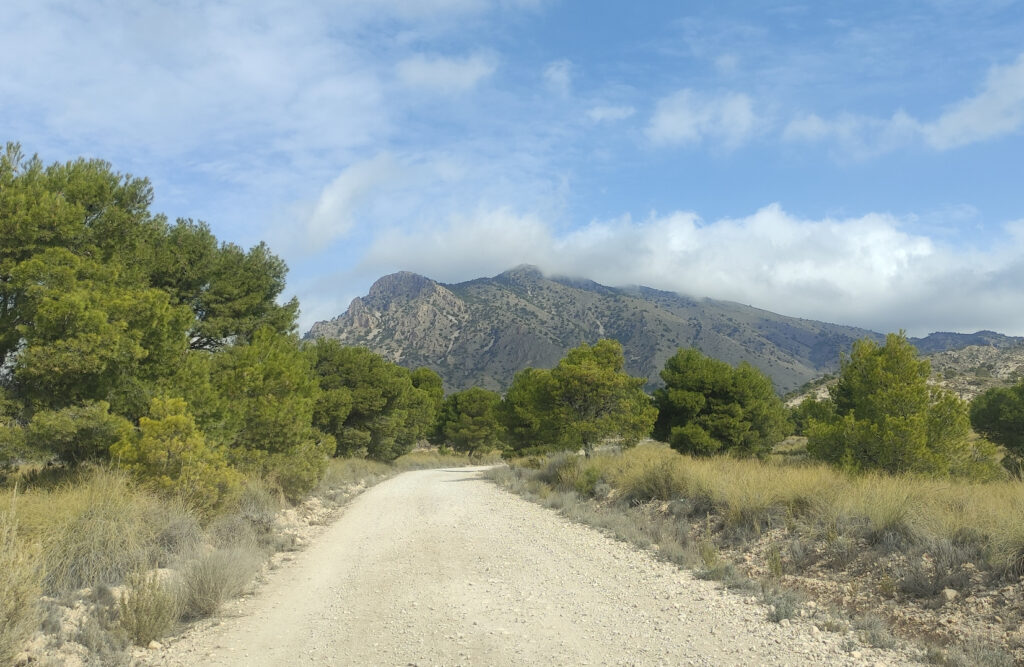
x=860, y=163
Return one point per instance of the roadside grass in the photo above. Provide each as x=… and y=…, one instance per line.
x=690, y=510
x=20, y=588
x=749, y=497
x=74, y=536
x=94, y=530
x=214, y=577
x=149, y=607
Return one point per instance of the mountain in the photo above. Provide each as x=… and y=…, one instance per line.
x=483, y=331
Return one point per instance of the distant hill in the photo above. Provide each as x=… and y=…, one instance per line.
x=483, y=331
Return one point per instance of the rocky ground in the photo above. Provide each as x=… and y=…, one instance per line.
x=909, y=593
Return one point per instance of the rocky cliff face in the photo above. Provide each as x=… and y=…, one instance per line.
x=481, y=332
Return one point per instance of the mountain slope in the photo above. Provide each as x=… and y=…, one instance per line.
x=482, y=331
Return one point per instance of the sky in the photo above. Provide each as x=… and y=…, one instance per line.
x=858, y=163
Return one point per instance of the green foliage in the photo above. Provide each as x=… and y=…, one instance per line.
x=585, y=398
x=387, y=414
x=469, y=421
x=169, y=452
x=427, y=380
x=525, y=411
x=88, y=337
x=998, y=414
x=12, y=435
x=232, y=293
x=809, y=410
x=594, y=398
x=708, y=407
x=886, y=417
x=268, y=391
x=77, y=434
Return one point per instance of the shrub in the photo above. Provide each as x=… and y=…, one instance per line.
x=169, y=452
x=874, y=630
x=257, y=502
x=782, y=604
x=298, y=471
x=78, y=433
x=150, y=606
x=20, y=588
x=212, y=578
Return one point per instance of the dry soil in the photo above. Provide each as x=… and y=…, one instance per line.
x=440, y=567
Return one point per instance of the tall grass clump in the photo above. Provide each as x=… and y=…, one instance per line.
x=215, y=577
x=93, y=531
x=20, y=587
x=149, y=607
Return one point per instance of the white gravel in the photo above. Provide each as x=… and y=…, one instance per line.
x=440, y=567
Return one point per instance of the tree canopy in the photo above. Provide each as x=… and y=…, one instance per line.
x=887, y=417
x=106, y=308
x=468, y=421
x=998, y=414
x=584, y=399
x=709, y=407
x=370, y=405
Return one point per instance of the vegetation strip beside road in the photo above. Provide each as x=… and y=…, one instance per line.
x=887, y=559
x=102, y=563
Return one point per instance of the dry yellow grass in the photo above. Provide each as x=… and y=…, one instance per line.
x=752, y=494
x=20, y=585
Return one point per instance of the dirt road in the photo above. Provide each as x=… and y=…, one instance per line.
x=442, y=568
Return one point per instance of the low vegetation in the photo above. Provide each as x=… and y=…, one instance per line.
x=769, y=527
x=140, y=564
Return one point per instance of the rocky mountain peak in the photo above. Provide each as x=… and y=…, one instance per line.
x=401, y=285
x=524, y=273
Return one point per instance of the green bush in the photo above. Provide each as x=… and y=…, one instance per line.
x=887, y=417
x=170, y=453
x=298, y=471
x=77, y=434
x=709, y=407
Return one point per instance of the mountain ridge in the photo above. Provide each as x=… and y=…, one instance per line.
x=482, y=331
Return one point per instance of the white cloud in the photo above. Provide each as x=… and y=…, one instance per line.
x=335, y=212
x=558, y=77
x=445, y=75
x=600, y=114
x=997, y=110
x=865, y=270
x=860, y=137
x=688, y=117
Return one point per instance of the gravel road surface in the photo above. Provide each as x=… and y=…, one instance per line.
x=440, y=567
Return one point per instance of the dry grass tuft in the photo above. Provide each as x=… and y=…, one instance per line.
x=20, y=586
x=92, y=532
x=150, y=607
x=215, y=577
